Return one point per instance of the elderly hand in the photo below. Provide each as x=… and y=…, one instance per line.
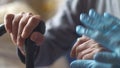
x=21, y=26
x=85, y=48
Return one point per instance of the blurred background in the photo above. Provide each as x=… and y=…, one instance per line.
x=46, y=8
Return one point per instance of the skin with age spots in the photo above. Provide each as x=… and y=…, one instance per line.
x=20, y=27
x=85, y=48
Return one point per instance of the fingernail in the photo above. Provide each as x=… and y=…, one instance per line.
x=91, y=12
x=35, y=37
x=82, y=16
x=22, y=50
x=80, y=30
x=78, y=39
x=39, y=40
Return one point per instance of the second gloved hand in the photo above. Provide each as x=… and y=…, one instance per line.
x=104, y=29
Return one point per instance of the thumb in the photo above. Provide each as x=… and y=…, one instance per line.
x=37, y=37
x=107, y=57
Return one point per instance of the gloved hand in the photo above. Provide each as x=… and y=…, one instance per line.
x=91, y=64
x=104, y=29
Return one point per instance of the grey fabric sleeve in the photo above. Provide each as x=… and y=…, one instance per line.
x=60, y=34
x=59, y=38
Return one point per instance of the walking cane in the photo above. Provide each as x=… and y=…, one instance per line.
x=29, y=45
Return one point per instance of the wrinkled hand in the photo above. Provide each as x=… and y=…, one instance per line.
x=104, y=29
x=85, y=48
x=20, y=27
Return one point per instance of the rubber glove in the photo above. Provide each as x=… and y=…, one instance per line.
x=91, y=64
x=104, y=29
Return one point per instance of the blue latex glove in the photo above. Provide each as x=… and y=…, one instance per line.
x=105, y=30
x=91, y=64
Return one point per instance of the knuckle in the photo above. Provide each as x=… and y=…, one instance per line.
x=78, y=49
x=26, y=34
x=17, y=18
x=7, y=16
x=80, y=55
x=101, y=49
x=35, y=18
x=85, y=57
x=29, y=13
x=22, y=23
x=88, y=56
x=19, y=15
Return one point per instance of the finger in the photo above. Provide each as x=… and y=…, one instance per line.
x=15, y=27
x=37, y=37
x=107, y=57
x=86, y=31
x=23, y=22
x=78, y=42
x=106, y=22
x=88, y=56
x=99, y=20
x=30, y=26
x=111, y=18
x=22, y=50
x=81, y=54
x=93, y=14
x=8, y=22
x=114, y=25
x=95, y=21
x=93, y=52
x=90, y=22
x=84, y=47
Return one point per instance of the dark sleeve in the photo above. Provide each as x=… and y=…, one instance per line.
x=60, y=32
